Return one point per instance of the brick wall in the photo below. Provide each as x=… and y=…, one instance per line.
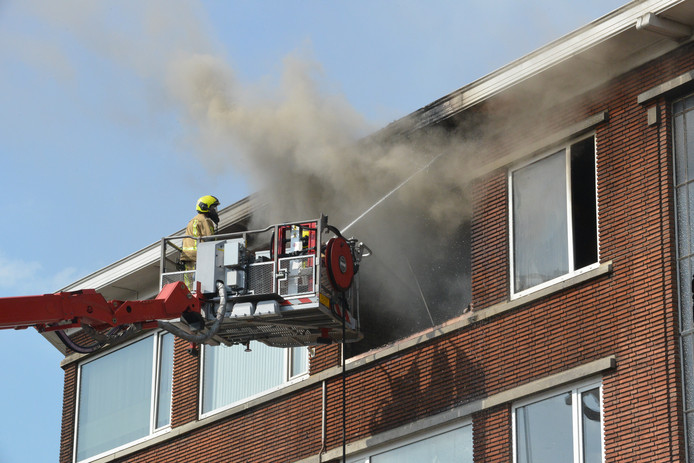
x=185, y=391
x=67, y=431
x=630, y=313
x=324, y=357
x=491, y=437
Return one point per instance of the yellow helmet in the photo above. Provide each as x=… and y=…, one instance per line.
x=206, y=203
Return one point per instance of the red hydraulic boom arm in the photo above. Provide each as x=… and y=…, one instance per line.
x=287, y=285
x=59, y=311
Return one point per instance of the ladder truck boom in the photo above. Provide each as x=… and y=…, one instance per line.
x=291, y=284
x=60, y=311
x=108, y=322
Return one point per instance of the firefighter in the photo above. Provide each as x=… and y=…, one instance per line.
x=203, y=224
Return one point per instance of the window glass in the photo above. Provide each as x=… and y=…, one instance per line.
x=539, y=212
x=689, y=143
x=116, y=405
x=544, y=431
x=683, y=136
x=453, y=446
x=554, y=216
x=299, y=363
x=590, y=416
x=563, y=428
x=166, y=343
x=115, y=399
x=230, y=374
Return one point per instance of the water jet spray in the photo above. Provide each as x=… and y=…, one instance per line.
x=387, y=195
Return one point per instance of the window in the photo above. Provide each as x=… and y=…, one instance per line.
x=554, y=231
x=298, y=361
x=231, y=375
x=124, y=395
x=563, y=427
x=683, y=130
x=453, y=445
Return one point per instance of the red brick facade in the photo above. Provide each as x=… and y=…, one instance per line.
x=629, y=312
x=69, y=403
x=185, y=387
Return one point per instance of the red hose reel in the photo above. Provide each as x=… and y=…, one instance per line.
x=339, y=263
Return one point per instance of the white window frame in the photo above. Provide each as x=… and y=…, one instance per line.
x=572, y=271
x=154, y=431
x=365, y=456
x=288, y=379
x=576, y=390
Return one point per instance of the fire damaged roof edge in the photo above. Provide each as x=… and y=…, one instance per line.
x=532, y=64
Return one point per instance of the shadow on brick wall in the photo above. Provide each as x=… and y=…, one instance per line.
x=425, y=382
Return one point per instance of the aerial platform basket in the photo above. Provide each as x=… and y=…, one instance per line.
x=288, y=285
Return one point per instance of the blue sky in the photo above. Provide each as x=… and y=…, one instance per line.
x=99, y=160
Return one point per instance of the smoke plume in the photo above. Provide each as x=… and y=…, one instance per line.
x=307, y=149
x=307, y=152
x=310, y=152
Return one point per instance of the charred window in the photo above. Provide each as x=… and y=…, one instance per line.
x=554, y=216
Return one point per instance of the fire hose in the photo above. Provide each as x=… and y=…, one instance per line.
x=202, y=337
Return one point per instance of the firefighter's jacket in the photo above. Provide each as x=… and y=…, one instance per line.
x=199, y=226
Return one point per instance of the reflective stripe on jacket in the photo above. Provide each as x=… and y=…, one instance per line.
x=199, y=226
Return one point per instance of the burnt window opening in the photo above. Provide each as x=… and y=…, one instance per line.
x=418, y=276
x=583, y=204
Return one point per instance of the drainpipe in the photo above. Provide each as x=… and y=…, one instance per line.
x=323, y=421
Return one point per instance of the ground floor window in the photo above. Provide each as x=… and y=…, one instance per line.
x=124, y=395
x=452, y=444
x=562, y=426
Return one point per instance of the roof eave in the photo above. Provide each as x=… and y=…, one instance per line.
x=534, y=64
